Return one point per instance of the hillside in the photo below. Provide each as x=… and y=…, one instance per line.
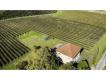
x=84, y=29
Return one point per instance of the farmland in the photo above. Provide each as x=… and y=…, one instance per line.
x=74, y=29
x=32, y=39
x=95, y=18
x=10, y=48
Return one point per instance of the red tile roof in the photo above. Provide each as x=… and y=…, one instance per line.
x=70, y=50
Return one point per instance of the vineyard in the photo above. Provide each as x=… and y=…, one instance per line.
x=82, y=34
x=10, y=48
x=79, y=33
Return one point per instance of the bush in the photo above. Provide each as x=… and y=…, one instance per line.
x=18, y=13
x=67, y=66
x=22, y=65
x=101, y=45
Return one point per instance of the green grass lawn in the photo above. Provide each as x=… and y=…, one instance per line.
x=32, y=39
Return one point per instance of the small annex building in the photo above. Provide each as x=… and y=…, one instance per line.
x=69, y=52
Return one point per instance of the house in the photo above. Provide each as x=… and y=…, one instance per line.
x=69, y=52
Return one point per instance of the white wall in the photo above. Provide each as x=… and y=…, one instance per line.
x=67, y=59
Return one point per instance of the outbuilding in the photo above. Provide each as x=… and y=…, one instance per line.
x=69, y=52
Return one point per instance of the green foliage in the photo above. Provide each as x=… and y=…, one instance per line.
x=19, y=13
x=46, y=61
x=67, y=66
x=49, y=60
x=100, y=46
x=83, y=65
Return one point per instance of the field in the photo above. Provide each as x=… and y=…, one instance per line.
x=95, y=18
x=10, y=48
x=81, y=30
x=32, y=39
x=38, y=39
